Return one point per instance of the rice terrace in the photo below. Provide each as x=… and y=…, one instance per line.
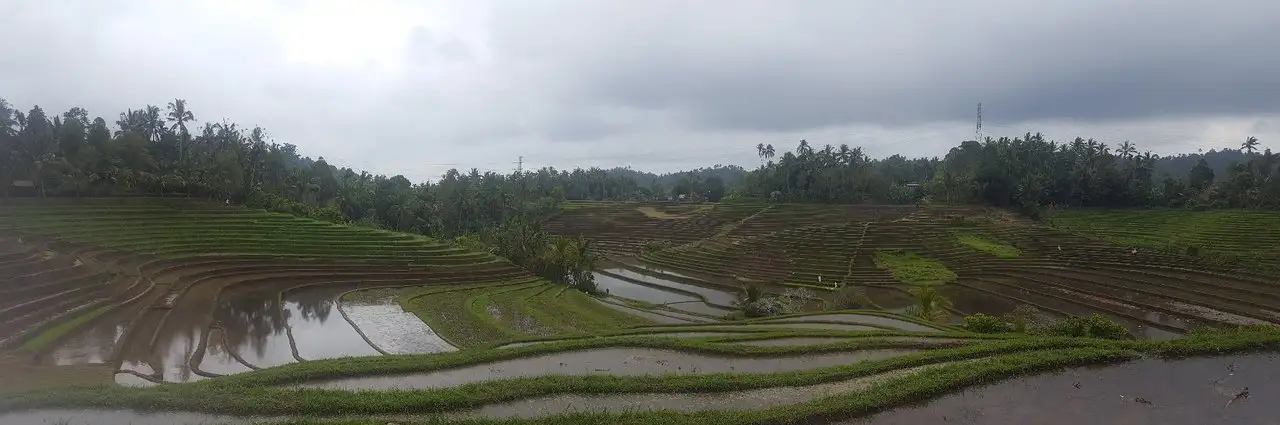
x=153, y=276
x=118, y=308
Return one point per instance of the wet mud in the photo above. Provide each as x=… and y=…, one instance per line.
x=1215, y=390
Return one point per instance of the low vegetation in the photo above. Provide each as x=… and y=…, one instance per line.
x=911, y=268
x=998, y=249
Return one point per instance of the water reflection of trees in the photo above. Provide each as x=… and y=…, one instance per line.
x=251, y=318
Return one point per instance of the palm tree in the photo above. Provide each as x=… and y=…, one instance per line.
x=1127, y=149
x=930, y=304
x=769, y=151
x=180, y=116
x=1250, y=145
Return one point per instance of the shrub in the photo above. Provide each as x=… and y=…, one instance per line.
x=1025, y=318
x=1093, y=326
x=853, y=297
x=653, y=246
x=1193, y=250
x=986, y=324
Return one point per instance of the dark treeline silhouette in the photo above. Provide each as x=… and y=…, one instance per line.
x=1027, y=173
x=162, y=151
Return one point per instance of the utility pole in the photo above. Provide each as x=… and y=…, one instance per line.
x=978, y=131
x=520, y=165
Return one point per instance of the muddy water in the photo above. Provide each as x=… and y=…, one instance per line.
x=254, y=326
x=859, y=318
x=974, y=301
x=217, y=357
x=391, y=328
x=1176, y=392
x=121, y=417
x=713, y=296
x=621, y=288
x=757, y=399
x=131, y=380
x=653, y=317
x=890, y=299
x=92, y=344
x=607, y=361
x=318, y=329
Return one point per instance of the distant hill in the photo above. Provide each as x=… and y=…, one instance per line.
x=1178, y=166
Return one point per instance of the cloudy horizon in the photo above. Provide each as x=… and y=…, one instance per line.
x=417, y=87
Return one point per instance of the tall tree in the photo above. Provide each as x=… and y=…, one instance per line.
x=179, y=116
x=1250, y=145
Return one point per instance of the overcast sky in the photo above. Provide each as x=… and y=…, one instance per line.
x=417, y=87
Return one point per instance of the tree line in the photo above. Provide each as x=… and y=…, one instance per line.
x=164, y=152
x=1028, y=173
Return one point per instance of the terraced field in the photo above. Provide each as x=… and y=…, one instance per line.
x=1248, y=240
x=998, y=263
x=146, y=311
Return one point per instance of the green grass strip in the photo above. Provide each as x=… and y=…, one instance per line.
x=978, y=243
x=911, y=268
x=55, y=333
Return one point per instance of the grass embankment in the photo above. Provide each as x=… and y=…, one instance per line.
x=485, y=314
x=250, y=393
x=979, y=243
x=909, y=267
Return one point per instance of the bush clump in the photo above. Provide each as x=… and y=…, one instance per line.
x=986, y=324
x=1093, y=326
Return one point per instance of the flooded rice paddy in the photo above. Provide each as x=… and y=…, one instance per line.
x=607, y=361
x=634, y=291
x=318, y=329
x=376, y=313
x=858, y=319
x=1214, y=390
x=713, y=296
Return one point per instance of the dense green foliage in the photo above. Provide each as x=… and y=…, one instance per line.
x=1027, y=172
x=159, y=151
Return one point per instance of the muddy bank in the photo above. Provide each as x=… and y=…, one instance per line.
x=757, y=399
x=608, y=361
x=1150, y=391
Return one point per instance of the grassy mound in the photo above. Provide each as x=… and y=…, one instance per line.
x=911, y=268
x=995, y=248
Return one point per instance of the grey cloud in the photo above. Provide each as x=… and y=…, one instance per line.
x=785, y=66
x=662, y=84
